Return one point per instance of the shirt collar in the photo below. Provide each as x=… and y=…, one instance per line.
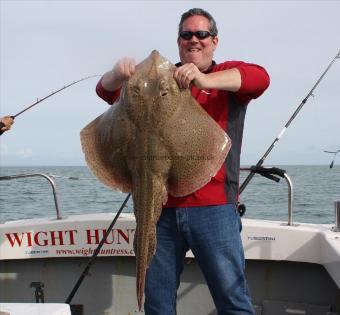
x=213, y=63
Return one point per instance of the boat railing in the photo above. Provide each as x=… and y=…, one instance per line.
x=52, y=183
x=336, y=228
x=272, y=173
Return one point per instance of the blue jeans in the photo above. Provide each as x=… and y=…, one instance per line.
x=213, y=235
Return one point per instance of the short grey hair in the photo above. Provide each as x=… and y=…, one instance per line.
x=196, y=11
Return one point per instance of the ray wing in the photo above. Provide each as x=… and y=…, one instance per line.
x=105, y=142
x=198, y=148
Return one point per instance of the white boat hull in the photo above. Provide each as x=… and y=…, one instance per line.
x=288, y=267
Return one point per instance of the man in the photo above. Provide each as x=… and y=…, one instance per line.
x=207, y=221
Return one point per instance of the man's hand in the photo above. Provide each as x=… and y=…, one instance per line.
x=228, y=80
x=187, y=74
x=6, y=123
x=122, y=70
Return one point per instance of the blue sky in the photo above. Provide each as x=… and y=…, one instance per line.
x=48, y=44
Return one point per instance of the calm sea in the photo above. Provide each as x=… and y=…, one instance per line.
x=315, y=190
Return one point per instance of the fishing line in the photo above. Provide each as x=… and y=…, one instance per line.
x=260, y=162
x=46, y=97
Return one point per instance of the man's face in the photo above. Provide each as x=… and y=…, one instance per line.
x=198, y=51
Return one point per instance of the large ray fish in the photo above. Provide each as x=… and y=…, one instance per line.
x=156, y=139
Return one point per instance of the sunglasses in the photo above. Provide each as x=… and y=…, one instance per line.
x=199, y=34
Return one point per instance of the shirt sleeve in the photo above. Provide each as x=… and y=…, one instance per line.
x=254, y=79
x=108, y=96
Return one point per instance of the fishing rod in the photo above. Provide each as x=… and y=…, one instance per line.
x=260, y=162
x=335, y=153
x=96, y=252
x=44, y=98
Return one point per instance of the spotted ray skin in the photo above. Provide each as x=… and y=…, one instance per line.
x=156, y=139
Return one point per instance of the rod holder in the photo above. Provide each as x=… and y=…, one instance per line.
x=290, y=199
x=336, y=228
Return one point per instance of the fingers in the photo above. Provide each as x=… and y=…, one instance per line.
x=124, y=68
x=185, y=74
x=7, y=121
